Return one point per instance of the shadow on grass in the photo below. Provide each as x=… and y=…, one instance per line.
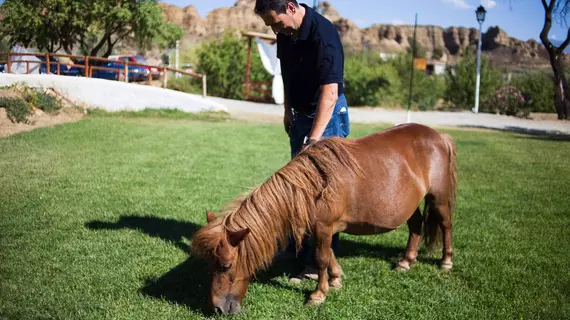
x=169, y=230
x=554, y=135
x=187, y=284
x=347, y=249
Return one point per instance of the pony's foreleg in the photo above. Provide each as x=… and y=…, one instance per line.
x=322, y=258
x=414, y=239
x=335, y=272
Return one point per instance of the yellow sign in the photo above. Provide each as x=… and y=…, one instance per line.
x=420, y=64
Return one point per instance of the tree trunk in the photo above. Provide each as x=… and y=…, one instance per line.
x=561, y=95
x=100, y=44
x=68, y=50
x=556, y=54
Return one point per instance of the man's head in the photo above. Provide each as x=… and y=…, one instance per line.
x=283, y=16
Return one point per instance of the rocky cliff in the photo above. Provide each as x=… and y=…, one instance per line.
x=496, y=44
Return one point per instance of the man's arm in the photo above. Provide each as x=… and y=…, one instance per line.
x=325, y=108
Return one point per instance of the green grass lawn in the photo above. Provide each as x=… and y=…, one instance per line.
x=96, y=219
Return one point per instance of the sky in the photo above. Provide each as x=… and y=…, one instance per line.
x=523, y=19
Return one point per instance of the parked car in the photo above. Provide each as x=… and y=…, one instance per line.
x=136, y=73
x=156, y=73
x=64, y=69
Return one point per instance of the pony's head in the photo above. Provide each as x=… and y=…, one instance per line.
x=220, y=247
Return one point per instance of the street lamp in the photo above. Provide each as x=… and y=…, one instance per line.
x=480, y=18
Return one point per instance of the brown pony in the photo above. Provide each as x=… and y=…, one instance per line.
x=361, y=186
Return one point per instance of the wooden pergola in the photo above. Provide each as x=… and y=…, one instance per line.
x=261, y=89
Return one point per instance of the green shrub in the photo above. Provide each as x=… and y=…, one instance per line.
x=460, y=85
x=18, y=110
x=224, y=61
x=372, y=82
x=437, y=53
x=38, y=99
x=368, y=82
x=186, y=84
x=421, y=52
x=538, y=88
x=426, y=89
x=507, y=101
x=46, y=103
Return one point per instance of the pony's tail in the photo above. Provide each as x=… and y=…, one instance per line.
x=452, y=149
x=432, y=230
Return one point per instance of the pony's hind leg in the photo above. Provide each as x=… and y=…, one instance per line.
x=443, y=211
x=439, y=219
x=415, y=227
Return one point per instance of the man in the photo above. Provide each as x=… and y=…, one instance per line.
x=312, y=66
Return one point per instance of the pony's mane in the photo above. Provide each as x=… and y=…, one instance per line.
x=283, y=205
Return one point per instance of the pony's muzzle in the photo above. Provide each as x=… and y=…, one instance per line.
x=229, y=305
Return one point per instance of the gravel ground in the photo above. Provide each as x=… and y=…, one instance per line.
x=250, y=110
x=113, y=96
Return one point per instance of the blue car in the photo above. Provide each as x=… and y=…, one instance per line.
x=136, y=73
x=63, y=69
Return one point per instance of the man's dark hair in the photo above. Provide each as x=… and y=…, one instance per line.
x=279, y=6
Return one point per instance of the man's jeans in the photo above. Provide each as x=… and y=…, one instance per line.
x=301, y=126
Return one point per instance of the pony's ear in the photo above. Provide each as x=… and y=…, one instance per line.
x=210, y=216
x=235, y=237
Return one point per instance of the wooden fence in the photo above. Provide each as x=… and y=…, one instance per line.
x=89, y=64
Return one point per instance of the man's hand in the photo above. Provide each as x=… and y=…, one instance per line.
x=288, y=119
x=325, y=108
x=307, y=143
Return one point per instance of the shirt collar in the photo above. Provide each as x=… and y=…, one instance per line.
x=306, y=24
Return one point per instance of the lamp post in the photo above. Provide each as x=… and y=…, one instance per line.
x=480, y=18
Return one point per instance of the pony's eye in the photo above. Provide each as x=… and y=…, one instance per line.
x=225, y=266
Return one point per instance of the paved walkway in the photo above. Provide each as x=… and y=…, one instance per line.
x=465, y=119
x=114, y=95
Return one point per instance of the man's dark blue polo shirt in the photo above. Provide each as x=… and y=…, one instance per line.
x=314, y=58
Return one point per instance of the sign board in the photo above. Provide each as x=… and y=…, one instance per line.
x=420, y=64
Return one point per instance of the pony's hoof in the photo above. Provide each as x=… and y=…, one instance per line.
x=315, y=301
x=335, y=283
x=403, y=266
x=446, y=266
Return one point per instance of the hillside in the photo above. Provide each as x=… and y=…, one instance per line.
x=496, y=43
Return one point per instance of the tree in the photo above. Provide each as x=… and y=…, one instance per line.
x=95, y=26
x=4, y=47
x=116, y=20
x=556, y=54
x=46, y=24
